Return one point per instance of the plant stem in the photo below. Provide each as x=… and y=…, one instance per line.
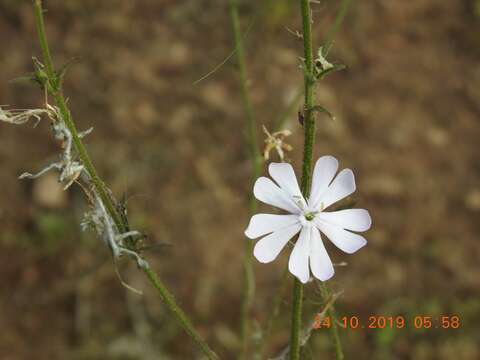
x=56, y=92
x=309, y=140
x=251, y=137
x=169, y=300
x=309, y=129
x=54, y=88
x=279, y=126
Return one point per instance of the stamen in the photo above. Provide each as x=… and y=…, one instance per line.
x=300, y=203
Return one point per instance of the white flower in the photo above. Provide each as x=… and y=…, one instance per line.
x=307, y=217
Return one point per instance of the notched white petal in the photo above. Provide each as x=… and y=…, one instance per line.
x=268, y=248
x=325, y=169
x=345, y=240
x=262, y=224
x=298, y=262
x=320, y=263
x=350, y=219
x=284, y=176
x=342, y=186
x=266, y=191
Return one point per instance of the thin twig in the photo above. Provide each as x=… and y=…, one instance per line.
x=224, y=61
x=344, y=6
x=255, y=158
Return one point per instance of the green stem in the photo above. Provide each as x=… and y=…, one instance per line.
x=294, y=353
x=251, y=137
x=178, y=313
x=279, y=125
x=309, y=129
x=309, y=140
x=55, y=90
x=309, y=122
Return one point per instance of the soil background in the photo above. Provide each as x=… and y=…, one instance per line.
x=407, y=123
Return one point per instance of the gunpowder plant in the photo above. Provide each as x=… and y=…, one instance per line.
x=308, y=206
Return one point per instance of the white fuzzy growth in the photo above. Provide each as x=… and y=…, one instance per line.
x=322, y=61
x=70, y=170
x=107, y=231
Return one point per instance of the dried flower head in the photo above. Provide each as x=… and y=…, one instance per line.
x=21, y=116
x=276, y=141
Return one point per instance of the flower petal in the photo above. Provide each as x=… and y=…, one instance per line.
x=345, y=240
x=262, y=224
x=325, y=169
x=320, y=263
x=342, y=186
x=350, y=219
x=266, y=191
x=284, y=176
x=298, y=262
x=268, y=248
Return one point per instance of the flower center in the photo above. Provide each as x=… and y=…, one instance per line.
x=310, y=216
x=307, y=217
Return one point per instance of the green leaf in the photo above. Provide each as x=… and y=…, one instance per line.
x=63, y=70
x=321, y=109
x=29, y=78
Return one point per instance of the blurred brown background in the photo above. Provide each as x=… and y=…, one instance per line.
x=407, y=122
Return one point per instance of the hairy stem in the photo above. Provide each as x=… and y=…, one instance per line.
x=309, y=134
x=251, y=137
x=56, y=92
x=344, y=5
x=54, y=88
x=309, y=140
